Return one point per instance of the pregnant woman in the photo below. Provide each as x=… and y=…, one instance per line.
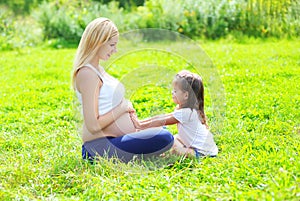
x=108, y=129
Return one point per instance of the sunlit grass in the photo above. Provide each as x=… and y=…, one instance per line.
x=259, y=141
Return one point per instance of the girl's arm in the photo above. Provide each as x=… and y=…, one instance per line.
x=156, y=121
x=89, y=84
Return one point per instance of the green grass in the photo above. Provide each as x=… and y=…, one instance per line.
x=259, y=139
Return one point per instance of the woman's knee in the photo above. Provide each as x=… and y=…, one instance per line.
x=166, y=137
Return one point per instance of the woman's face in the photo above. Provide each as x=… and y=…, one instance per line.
x=109, y=48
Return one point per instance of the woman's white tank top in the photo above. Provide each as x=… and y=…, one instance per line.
x=111, y=93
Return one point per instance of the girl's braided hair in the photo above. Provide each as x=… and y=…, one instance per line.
x=192, y=83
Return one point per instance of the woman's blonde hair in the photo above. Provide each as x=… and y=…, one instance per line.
x=97, y=33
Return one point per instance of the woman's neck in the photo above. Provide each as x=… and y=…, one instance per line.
x=97, y=66
x=94, y=62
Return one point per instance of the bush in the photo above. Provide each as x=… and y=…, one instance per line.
x=127, y=4
x=6, y=28
x=57, y=22
x=17, y=32
x=219, y=18
x=20, y=7
x=67, y=21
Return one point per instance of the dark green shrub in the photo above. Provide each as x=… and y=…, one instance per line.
x=67, y=21
x=17, y=32
x=59, y=21
x=127, y=4
x=19, y=6
x=6, y=28
x=219, y=18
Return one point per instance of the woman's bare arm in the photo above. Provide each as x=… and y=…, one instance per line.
x=89, y=84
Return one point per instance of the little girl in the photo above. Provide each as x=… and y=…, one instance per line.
x=194, y=138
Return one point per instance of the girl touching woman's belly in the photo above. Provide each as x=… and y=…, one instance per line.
x=108, y=127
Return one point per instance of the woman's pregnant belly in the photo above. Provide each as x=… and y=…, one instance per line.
x=121, y=126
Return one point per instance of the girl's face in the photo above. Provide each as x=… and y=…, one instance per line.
x=178, y=95
x=109, y=48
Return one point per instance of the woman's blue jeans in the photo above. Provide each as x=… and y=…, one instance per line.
x=142, y=144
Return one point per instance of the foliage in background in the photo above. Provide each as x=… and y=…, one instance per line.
x=17, y=32
x=127, y=4
x=21, y=7
x=208, y=19
x=65, y=20
x=219, y=18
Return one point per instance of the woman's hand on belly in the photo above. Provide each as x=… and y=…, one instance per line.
x=121, y=126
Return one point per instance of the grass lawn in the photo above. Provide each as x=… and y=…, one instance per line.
x=259, y=138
